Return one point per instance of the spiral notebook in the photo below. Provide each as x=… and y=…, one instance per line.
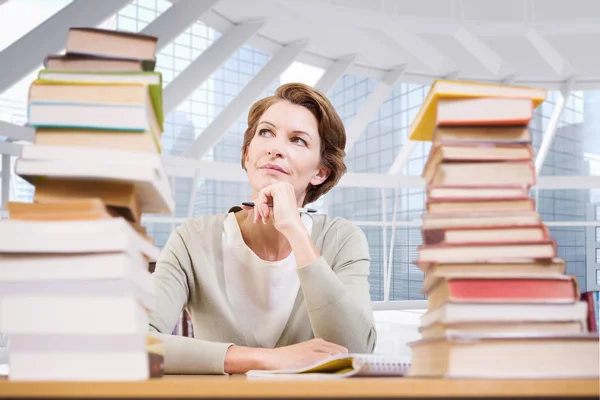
x=342, y=366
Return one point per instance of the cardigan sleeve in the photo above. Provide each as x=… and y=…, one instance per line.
x=337, y=292
x=172, y=278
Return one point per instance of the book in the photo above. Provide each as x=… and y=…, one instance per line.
x=452, y=313
x=481, y=252
x=62, y=237
x=438, y=329
x=493, y=268
x=111, y=43
x=484, y=111
x=480, y=219
x=494, y=205
x=506, y=356
x=486, y=135
x=343, y=366
x=488, y=234
x=476, y=193
x=30, y=267
x=58, y=195
x=87, y=77
x=423, y=125
x=476, y=174
x=134, y=106
x=98, y=138
x=80, y=357
x=144, y=170
x=83, y=314
x=86, y=62
x=539, y=289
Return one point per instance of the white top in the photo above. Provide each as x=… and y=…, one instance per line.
x=262, y=293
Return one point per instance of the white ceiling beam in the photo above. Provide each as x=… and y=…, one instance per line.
x=233, y=172
x=248, y=95
x=552, y=126
x=207, y=63
x=552, y=57
x=486, y=56
x=371, y=106
x=403, y=156
x=17, y=132
x=452, y=75
x=5, y=190
x=567, y=182
x=510, y=79
x=23, y=56
x=333, y=74
x=176, y=19
x=428, y=55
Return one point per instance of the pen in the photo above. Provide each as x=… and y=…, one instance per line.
x=304, y=210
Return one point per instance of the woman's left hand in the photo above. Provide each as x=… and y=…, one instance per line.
x=278, y=202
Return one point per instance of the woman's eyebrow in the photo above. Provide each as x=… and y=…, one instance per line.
x=298, y=132
x=303, y=133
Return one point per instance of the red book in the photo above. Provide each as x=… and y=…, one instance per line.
x=556, y=289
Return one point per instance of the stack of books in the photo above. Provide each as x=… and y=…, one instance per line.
x=499, y=302
x=74, y=280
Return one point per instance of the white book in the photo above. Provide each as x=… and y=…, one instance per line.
x=120, y=117
x=143, y=169
x=474, y=312
x=86, y=236
x=78, y=357
x=76, y=289
x=129, y=265
x=74, y=315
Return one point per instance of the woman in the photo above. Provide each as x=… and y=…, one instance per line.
x=269, y=287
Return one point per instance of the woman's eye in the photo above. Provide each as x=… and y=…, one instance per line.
x=299, y=141
x=265, y=132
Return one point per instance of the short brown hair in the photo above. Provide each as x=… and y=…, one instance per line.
x=331, y=131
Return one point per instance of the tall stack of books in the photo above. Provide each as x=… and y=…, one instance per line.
x=499, y=302
x=75, y=290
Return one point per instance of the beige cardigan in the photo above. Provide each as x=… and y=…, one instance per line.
x=333, y=303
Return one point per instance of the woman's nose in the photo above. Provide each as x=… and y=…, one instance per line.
x=275, y=151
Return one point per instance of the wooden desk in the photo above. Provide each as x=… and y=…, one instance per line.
x=239, y=387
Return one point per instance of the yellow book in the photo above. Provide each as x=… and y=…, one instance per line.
x=424, y=123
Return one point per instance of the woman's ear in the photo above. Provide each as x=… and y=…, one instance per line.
x=320, y=176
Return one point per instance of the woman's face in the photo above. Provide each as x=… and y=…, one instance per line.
x=286, y=147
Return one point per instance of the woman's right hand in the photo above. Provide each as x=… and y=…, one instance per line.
x=301, y=354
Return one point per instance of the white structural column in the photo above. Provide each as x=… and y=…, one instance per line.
x=24, y=55
x=17, y=132
x=333, y=74
x=486, y=56
x=403, y=156
x=248, y=95
x=552, y=125
x=371, y=106
x=177, y=19
x=4, y=193
x=193, y=192
x=207, y=63
x=552, y=57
